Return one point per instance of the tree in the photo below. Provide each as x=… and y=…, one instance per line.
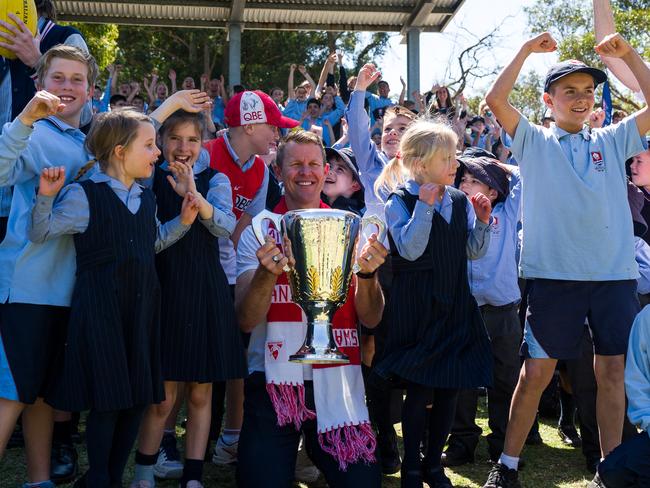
x=571, y=23
x=266, y=55
x=101, y=40
x=527, y=96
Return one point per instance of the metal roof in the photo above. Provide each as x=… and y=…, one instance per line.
x=329, y=15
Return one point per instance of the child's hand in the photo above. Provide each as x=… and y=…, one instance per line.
x=183, y=179
x=543, y=43
x=51, y=181
x=368, y=74
x=172, y=75
x=372, y=255
x=429, y=193
x=191, y=100
x=613, y=46
x=597, y=118
x=189, y=209
x=482, y=207
x=42, y=105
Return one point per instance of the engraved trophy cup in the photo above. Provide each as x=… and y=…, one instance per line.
x=322, y=245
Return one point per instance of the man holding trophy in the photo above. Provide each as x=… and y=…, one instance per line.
x=298, y=296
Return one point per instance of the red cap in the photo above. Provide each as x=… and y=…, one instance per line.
x=255, y=107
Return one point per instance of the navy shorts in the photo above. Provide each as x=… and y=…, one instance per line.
x=560, y=312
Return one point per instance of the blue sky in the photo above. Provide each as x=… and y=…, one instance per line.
x=438, y=51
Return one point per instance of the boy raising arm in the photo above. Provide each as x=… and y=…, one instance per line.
x=578, y=240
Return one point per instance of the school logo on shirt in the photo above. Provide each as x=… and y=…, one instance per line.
x=241, y=202
x=597, y=159
x=346, y=337
x=274, y=348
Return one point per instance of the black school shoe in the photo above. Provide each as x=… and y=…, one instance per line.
x=63, y=463
x=502, y=477
x=569, y=435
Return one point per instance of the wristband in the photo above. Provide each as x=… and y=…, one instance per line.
x=366, y=276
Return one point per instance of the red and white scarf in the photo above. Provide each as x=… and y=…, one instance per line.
x=343, y=425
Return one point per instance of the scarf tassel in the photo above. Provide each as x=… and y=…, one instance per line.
x=349, y=444
x=289, y=404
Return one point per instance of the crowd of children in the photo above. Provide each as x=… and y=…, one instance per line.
x=131, y=282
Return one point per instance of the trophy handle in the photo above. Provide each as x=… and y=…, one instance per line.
x=377, y=222
x=256, y=222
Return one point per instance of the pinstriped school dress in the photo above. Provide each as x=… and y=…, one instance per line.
x=436, y=337
x=112, y=354
x=200, y=338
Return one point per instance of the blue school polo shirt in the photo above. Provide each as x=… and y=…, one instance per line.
x=577, y=223
x=36, y=273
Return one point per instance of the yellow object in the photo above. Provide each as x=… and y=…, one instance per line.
x=25, y=10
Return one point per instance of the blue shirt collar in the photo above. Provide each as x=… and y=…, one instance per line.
x=116, y=185
x=414, y=189
x=560, y=133
x=233, y=154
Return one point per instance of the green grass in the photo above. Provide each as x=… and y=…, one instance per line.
x=549, y=465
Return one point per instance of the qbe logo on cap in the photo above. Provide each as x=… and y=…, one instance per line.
x=251, y=109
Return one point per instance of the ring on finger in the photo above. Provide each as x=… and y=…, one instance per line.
x=368, y=257
x=276, y=259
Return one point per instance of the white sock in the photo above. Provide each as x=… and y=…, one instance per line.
x=509, y=461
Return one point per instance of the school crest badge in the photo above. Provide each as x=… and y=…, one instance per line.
x=597, y=160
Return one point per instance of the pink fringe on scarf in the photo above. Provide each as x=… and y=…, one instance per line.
x=289, y=404
x=349, y=444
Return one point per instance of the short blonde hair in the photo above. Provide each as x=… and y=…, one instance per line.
x=420, y=142
x=67, y=52
x=299, y=136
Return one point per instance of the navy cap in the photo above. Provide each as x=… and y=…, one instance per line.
x=569, y=67
x=488, y=172
x=478, y=152
x=347, y=156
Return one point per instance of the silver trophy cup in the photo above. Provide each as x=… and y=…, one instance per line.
x=321, y=247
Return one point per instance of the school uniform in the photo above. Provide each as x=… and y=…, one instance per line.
x=200, y=339
x=578, y=241
x=36, y=280
x=440, y=341
x=371, y=161
x=436, y=342
x=493, y=283
x=112, y=355
x=295, y=109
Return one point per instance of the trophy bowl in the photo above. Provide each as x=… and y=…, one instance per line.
x=321, y=245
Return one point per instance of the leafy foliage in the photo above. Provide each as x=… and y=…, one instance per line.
x=265, y=55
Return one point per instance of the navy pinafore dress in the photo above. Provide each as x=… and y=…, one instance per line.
x=112, y=355
x=200, y=337
x=436, y=337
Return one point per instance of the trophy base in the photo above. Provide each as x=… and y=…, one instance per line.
x=312, y=357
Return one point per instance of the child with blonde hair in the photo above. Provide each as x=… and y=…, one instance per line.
x=437, y=342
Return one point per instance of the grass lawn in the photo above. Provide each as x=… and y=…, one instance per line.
x=549, y=465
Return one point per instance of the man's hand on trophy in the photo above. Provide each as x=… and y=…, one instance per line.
x=373, y=255
x=271, y=258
